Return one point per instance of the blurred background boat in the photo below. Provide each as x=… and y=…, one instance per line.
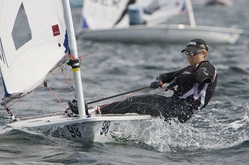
x=99, y=23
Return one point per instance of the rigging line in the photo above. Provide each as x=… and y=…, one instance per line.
x=66, y=77
x=56, y=97
x=121, y=94
x=60, y=64
x=99, y=108
x=103, y=106
x=81, y=57
x=15, y=100
x=69, y=82
x=124, y=97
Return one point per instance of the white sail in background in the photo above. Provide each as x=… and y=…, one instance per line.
x=158, y=11
x=102, y=14
x=32, y=37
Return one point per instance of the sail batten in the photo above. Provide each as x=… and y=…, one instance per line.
x=32, y=42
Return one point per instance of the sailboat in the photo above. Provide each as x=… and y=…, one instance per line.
x=36, y=37
x=98, y=24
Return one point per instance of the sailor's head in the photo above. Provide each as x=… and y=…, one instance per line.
x=195, y=46
x=196, y=51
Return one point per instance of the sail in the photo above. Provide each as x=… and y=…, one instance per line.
x=102, y=14
x=32, y=41
x=159, y=11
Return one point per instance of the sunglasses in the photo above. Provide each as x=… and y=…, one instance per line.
x=189, y=53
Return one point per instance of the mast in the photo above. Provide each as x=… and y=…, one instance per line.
x=190, y=13
x=74, y=58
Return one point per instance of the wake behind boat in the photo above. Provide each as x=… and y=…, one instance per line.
x=153, y=31
x=47, y=42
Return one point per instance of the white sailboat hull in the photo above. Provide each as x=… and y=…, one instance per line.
x=164, y=33
x=103, y=129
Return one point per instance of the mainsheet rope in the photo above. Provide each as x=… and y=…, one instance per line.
x=126, y=96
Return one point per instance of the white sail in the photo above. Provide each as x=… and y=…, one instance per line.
x=102, y=14
x=32, y=36
x=159, y=11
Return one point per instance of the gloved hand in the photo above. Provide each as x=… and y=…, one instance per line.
x=156, y=84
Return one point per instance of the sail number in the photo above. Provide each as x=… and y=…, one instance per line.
x=74, y=130
x=105, y=127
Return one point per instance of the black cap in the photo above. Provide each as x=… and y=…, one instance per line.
x=195, y=44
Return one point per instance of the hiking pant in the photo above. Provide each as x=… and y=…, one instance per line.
x=154, y=105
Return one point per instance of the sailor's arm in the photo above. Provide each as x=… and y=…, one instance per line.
x=164, y=78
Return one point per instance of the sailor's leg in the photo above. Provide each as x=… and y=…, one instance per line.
x=144, y=104
x=154, y=105
x=176, y=108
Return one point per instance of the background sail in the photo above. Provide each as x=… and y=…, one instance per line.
x=102, y=14
x=158, y=11
x=32, y=34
